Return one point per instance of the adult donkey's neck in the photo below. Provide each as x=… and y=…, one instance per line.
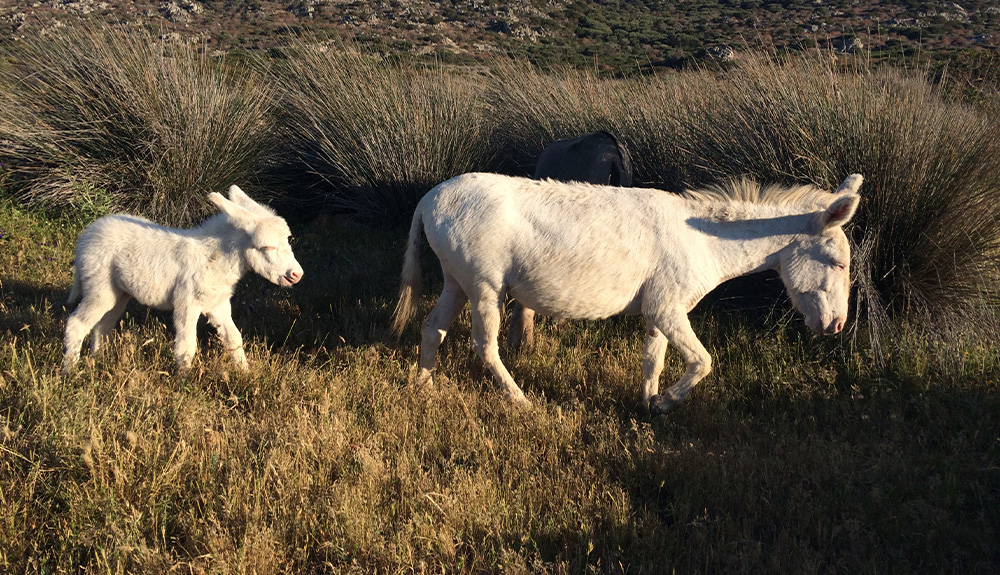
x=745, y=238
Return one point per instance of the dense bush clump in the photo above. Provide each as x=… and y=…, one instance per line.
x=380, y=134
x=138, y=125
x=927, y=239
x=122, y=119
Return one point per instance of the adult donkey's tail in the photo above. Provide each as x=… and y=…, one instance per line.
x=409, y=284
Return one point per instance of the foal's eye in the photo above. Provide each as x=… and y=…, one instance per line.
x=838, y=265
x=267, y=248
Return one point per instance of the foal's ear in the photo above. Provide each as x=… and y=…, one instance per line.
x=231, y=209
x=239, y=197
x=839, y=212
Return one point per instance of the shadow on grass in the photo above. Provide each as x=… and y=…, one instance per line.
x=31, y=308
x=880, y=477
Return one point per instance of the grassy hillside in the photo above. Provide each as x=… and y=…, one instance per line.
x=624, y=37
x=796, y=455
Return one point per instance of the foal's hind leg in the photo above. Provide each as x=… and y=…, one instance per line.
x=485, y=327
x=677, y=328
x=435, y=327
x=522, y=327
x=96, y=304
x=186, y=316
x=107, y=323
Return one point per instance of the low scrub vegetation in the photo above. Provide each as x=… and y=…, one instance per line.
x=870, y=452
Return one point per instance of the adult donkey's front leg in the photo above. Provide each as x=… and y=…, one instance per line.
x=522, y=327
x=676, y=326
x=652, y=362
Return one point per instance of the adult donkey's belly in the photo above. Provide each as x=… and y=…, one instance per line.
x=578, y=292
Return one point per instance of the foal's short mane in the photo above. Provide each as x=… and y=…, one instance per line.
x=751, y=192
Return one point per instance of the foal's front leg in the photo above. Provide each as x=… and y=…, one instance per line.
x=222, y=319
x=676, y=326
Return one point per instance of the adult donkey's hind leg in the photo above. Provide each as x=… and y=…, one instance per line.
x=485, y=327
x=435, y=327
x=522, y=327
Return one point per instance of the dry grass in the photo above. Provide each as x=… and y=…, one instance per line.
x=793, y=457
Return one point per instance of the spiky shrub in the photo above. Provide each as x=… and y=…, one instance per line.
x=151, y=127
x=380, y=134
x=927, y=241
x=535, y=107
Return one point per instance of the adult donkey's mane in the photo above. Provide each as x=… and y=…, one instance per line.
x=745, y=190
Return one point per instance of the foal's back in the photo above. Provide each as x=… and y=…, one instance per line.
x=126, y=253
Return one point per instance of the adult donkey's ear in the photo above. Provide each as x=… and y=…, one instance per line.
x=851, y=184
x=839, y=212
x=240, y=215
x=842, y=209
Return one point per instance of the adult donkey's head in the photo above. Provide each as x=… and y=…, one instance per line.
x=816, y=268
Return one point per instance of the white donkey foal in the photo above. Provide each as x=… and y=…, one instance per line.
x=582, y=251
x=192, y=272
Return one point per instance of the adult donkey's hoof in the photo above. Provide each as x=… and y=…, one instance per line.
x=660, y=404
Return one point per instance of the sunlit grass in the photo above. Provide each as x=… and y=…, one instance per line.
x=796, y=454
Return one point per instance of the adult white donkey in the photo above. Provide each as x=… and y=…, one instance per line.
x=192, y=272
x=582, y=251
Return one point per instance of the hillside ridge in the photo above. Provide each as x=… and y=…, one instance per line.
x=616, y=35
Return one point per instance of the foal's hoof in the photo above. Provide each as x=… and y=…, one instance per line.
x=661, y=404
